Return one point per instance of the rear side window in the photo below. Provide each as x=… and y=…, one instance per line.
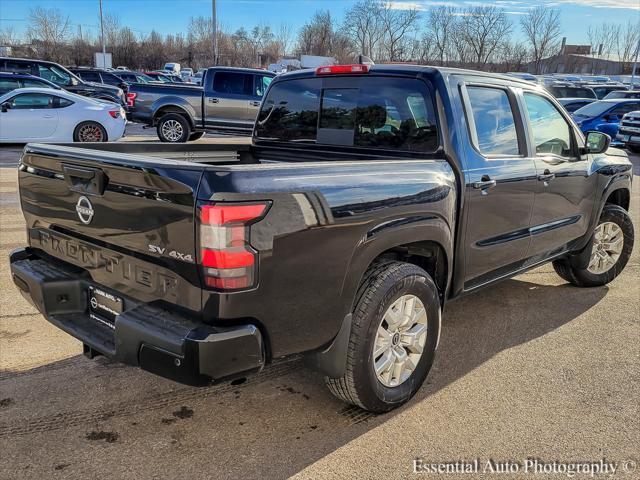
x=387, y=113
x=233, y=83
x=18, y=67
x=28, y=82
x=495, y=128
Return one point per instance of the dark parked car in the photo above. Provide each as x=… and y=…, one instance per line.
x=10, y=81
x=228, y=102
x=98, y=75
x=62, y=77
x=369, y=197
x=573, y=104
x=622, y=94
x=135, y=77
x=165, y=77
x=602, y=91
x=566, y=91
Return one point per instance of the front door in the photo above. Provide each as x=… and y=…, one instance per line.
x=30, y=116
x=566, y=189
x=500, y=185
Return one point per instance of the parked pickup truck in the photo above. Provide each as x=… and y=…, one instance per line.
x=228, y=102
x=369, y=197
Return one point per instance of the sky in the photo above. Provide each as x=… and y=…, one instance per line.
x=172, y=16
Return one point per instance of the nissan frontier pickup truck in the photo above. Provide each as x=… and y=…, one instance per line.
x=369, y=197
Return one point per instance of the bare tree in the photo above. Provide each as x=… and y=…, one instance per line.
x=398, y=25
x=284, y=37
x=48, y=28
x=627, y=42
x=440, y=26
x=364, y=26
x=541, y=27
x=603, y=39
x=8, y=36
x=315, y=37
x=483, y=29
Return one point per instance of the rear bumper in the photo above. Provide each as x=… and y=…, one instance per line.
x=159, y=341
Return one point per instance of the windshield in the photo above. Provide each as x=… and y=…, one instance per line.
x=594, y=109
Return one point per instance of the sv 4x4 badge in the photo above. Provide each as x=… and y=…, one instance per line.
x=162, y=251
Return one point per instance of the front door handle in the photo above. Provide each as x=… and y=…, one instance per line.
x=214, y=100
x=47, y=116
x=546, y=176
x=254, y=103
x=484, y=184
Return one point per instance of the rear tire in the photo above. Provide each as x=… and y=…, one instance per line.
x=390, y=290
x=196, y=136
x=611, y=251
x=173, y=128
x=90, y=132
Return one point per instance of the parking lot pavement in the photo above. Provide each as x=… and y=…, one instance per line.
x=529, y=368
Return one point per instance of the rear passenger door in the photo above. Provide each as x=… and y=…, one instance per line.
x=226, y=99
x=500, y=184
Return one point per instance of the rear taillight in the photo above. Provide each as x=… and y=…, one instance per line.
x=131, y=99
x=342, y=69
x=114, y=113
x=227, y=258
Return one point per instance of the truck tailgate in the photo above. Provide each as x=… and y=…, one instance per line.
x=127, y=220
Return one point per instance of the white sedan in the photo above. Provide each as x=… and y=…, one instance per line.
x=45, y=115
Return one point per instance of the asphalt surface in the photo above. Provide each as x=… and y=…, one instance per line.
x=530, y=368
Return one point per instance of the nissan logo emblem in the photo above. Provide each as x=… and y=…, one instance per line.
x=84, y=209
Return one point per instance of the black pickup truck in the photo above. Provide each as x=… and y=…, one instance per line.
x=228, y=102
x=369, y=197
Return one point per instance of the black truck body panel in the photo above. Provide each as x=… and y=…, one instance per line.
x=332, y=211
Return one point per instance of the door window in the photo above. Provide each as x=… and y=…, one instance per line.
x=91, y=77
x=18, y=67
x=110, y=79
x=261, y=84
x=27, y=83
x=495, y=127
x=551, y=132
x=32, y=101
x=233, y=83
x=8, y=84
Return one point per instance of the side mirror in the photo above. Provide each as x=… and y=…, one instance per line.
x=5, y=106
x=597, y=142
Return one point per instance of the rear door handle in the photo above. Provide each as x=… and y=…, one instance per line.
x=214, y=100
x=254, y=103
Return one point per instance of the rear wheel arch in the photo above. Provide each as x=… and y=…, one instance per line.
x=167, y=109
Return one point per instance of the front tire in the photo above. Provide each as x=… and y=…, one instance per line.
x=173, y=128
x=612, y=246
x=90, y=132
x=394, y=333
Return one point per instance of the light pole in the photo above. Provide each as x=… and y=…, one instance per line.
x=104, y=49
x=214, y=23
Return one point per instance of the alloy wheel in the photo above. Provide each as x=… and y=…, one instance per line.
x=400, y=340
x=607, y=246
x=172, y=130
